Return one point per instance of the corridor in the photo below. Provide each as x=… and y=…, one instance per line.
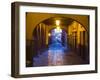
x=56, y=54
x=56, y=41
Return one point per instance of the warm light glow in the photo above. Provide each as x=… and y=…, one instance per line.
x=58, y=29
x=57, y=22
x=49, y=34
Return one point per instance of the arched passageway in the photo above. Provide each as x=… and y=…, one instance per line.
x=59, y=41
x=58, y=47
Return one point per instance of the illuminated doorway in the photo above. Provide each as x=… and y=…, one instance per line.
x=57, y=46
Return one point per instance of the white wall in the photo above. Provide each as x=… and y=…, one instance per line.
x=5, y=40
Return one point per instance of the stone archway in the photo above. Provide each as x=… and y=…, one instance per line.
x=33, y=19
x=38, y=26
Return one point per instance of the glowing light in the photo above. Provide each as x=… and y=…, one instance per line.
x=57, y=22
x=49, y=34
x=58, y=29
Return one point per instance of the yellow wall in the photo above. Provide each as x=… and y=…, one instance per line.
x=75, y=27
x=32, y=19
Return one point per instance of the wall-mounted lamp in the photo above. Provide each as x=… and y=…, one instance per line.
x=49, y=34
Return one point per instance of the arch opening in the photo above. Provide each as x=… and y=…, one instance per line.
x=59, y=41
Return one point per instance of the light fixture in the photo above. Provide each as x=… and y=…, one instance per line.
x=49, y=34
x=58, y=29
x=57, y=22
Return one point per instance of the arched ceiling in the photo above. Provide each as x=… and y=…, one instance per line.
x=63, y=21
x=33, y=19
